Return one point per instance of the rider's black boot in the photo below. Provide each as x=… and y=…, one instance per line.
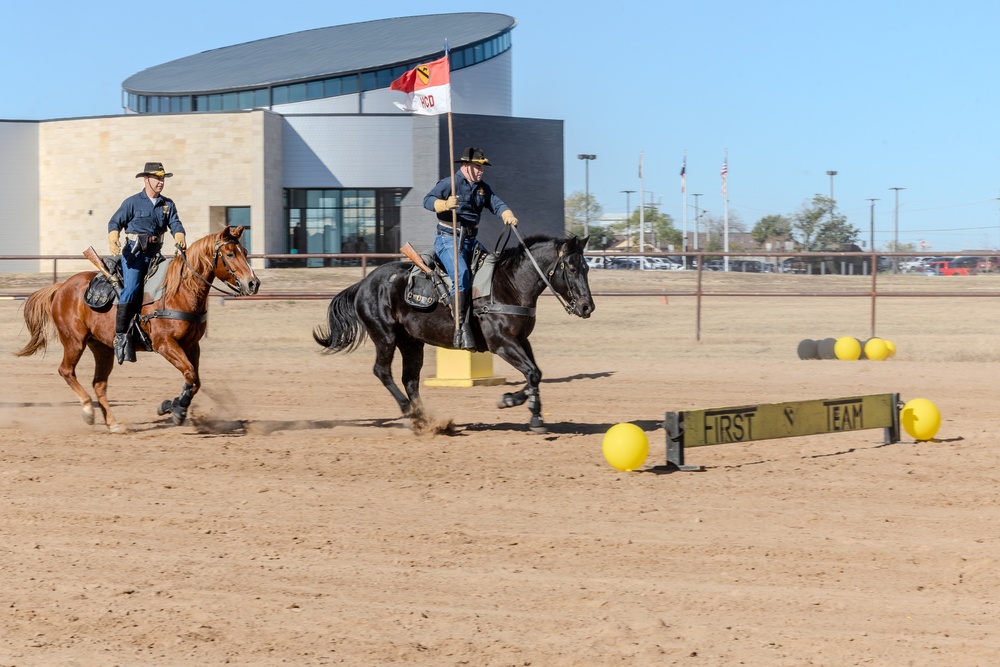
x=464, y=339
x=123, y=347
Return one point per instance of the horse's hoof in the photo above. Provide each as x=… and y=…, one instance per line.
x=506, y=401
x=178, y=418
x=88, y=417
x=118, y=428
x=165, y=407
x=541, y=428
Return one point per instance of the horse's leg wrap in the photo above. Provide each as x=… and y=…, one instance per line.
x=179, y=407
x=536, y=424
x=510, y=400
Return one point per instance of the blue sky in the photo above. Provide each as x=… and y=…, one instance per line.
x=888, y=94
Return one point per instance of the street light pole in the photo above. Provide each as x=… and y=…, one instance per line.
x=871, y=235
x=871, y=230
x=628, y=223
x=697, y=219
x=895, y=232
x=586, y=204
x=831, y=174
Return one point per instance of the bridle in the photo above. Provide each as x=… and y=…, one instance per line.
x=172, y=314
x=558, y=264
x=237, y=289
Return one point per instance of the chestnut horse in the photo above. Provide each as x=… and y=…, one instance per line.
x=175, y=323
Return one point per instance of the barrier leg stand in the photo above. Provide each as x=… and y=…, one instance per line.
x=675, y=445
x=463, y=368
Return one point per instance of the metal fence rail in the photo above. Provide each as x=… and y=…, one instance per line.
x=698, y=292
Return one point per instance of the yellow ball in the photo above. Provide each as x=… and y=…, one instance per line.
x=889, y=345
x=625, y=447
x=847, y=348
x=876, y=349
x=921, y=419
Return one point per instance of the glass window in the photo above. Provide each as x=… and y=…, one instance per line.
x=215, y=102
x=296, y=92
x=331, y=87
x=333, y=221
x=349, y=84
x=369, y=81
x=239, y=216
x=164, y=104
x=314, y=90
x=245, y=99
x=230, y=101
x=262, y=97
x=457, y=59
x=201, y=103
x=280, y=94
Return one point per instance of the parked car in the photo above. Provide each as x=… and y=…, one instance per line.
x=595, y=262
x=960, y=266
x=911, y=265
x=933, y=267
x=621, y=263
x=752, y=266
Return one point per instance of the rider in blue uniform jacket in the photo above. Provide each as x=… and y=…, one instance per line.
x=471, y=196
x=136, y=230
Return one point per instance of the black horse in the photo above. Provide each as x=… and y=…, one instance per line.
x=375, y=307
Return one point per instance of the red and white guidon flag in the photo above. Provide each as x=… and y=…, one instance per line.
x=427, y=88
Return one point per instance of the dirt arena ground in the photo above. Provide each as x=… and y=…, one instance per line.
x=296, y=520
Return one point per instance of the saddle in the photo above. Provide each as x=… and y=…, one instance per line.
x=101, y=294
x=424, y=290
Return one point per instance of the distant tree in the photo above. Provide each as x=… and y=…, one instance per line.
x=820, y=228
x=576, y=208
x=660, y=226
x=715, y=230
x=772, y=228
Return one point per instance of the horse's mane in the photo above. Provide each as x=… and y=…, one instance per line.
x=199, y=255
x=511, y=257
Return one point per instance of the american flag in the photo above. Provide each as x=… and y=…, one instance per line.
x=725, y=178
x=683, y=177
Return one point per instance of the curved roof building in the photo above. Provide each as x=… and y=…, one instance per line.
x=329, y=69
x=296, y=137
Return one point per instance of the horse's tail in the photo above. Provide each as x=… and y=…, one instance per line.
x=38, y=317
x=344, y=331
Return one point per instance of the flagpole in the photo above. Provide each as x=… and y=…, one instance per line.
x=454, y=232
x=684, y=205
x=642, y=216
x=725, y=205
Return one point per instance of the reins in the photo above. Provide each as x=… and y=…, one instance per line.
x=171, y=314
x=215, y=256
x=560, y=262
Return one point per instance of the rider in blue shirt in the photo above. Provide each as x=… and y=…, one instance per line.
x=470, y=197
x=142, y=220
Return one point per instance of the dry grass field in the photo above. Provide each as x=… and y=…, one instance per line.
x=297, y=520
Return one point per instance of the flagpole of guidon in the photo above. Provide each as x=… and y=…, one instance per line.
x=456, y=338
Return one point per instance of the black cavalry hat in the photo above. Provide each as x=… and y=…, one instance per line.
x=153, y=169
x=475, y=156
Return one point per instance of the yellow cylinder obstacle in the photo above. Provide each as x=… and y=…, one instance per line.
x=463, y=368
